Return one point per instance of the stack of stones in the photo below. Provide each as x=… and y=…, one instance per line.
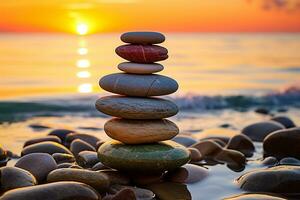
x=139, y=128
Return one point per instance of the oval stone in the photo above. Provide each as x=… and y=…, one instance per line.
x=52, y=138
x=150, y=158
x=140, y=131
x=138, y=85
x=136, y=108
x=139, y=68
x=45, y=147
x=143, y=37
x=142, y=53
x=55, y=191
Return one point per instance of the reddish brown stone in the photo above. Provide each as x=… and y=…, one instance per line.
x=142, y=53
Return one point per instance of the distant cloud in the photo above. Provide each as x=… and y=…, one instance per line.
x=288, y=5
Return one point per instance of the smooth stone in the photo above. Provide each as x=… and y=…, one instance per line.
x=63, y=158
x=92, y=140
x=151, y=158
x=142, y=53
x=38, y=164
x=64, y=165
x=169, y=190
x=99, y=166
x=3, y=154
x=53, y=191
x=146, y=179
x=285, y=121
x=116, y=177
x=258, y=131
x=241, y=143
x=255, y=197
x=139, y=68
x=283, y=143
x=208, y=148
x=75, y=166
x=14, y=177
x=263, y=111
x=78, y=145
x=11, y=154
x=4, y=162
x=232, y=158
x=143, y=37
x=136, y=108
x=61, y=133
x=131, y=131
x=269, y=161
x=38, y=127
x=184, y=140
x=45, y=147
x=140, y=193
x=289, y=161
x=138, y=85
x=187, y=173
x=124, y=194
x=97, y=180
x=195, y=154
x=280, y=179
x=216, y=140
x=52, y=138
x=87, y=159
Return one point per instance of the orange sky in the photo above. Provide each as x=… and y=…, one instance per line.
x=162, y=15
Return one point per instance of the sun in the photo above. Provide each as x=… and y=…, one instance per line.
x=82, y=29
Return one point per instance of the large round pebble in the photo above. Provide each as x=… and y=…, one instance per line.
x=148, y=158
x=139, y=68
x=136, y=108
x=143, y=37
x=140, y=131
x=45, y=147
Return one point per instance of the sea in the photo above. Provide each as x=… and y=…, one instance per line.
x=50, y=81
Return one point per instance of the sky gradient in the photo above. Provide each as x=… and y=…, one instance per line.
x=168, y=15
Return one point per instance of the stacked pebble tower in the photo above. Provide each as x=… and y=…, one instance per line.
x=139, y=128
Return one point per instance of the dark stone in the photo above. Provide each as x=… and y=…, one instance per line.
x=143, y=37
x=269, y=161
x=54, y=191
x=124, y=194
x=195, y=154
x=78, y=145
x=146, y=179
x=64, y=165
x=208, y=148
x=90, y=139
x=99, y=166
x=116, y=177
x=38, y=164
x=263, y=111
x=63, y=158
x=285, y=121
x=258, y=131
x=52, y=138
x=169, y=190
x=283, y=143
x=289, y=161
x=45, y=147
x=140, y=193
x=255, y=197
x=87, y=159
x=184, y=140
x=61, y=133
x=241, y=143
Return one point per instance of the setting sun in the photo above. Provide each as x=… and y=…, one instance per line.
x=82, y=29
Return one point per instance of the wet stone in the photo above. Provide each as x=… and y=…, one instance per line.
x=255, y=197
x=78, y=146
x=63, y=158
x=195, y=154
x=92, y=140
x=285, y=121
x=184, y=140
x=269, y=161
x=140, y=193
x=52, y=138
x=116, y=177
x=241, y=143
x=45, y=147
x=61, y=133
x=87, y=159
x=208, y=148
x=124, y=194
x=169, y=190
x=289, y=161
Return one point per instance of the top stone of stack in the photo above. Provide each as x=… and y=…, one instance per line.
x=143, y=37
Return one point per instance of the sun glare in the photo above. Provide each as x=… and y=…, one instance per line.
x=82, y=29
x=85, y=88
x=83, y=63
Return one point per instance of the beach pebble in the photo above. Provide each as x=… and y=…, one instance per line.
x=142, y=53
x=38, y=127
x=64, y=165
x=78, y=145
x=136, y=108
x=150, y=158
x=14, y=177
x=170, y=190
x=258, y=131
x=52, y=138
x=223, y=134
x=255, y=197
x=187, y=173
x=139, y=68
x=116, y=177
x=146, y=179
x=241, y=143
x=263, y=111
x=280, y=179
x=283, y=143
x=3, y=154
x=184, y=140
x=216, y=140
x=269, y=161
x=87, y=159
x=124, y=194
x=61, y=133
x=208, y=148
x=63, y=158
x=289, y=161
x=99, y=166
x=140, y=131
x=54, y=191
x=138, y=85
x=92, y=140
x=45, y=147
x=195, y=154
x=38, y=164
x=231, y=157
x=97, y=180
x=285, y=121
x=11, y=154
x=140, y=193
x=143, y=37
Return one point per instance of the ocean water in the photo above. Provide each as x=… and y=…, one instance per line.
x=52, y=80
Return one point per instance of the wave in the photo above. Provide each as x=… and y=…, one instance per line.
x=11, y=111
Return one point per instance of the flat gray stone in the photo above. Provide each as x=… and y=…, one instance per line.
x=143, y=37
